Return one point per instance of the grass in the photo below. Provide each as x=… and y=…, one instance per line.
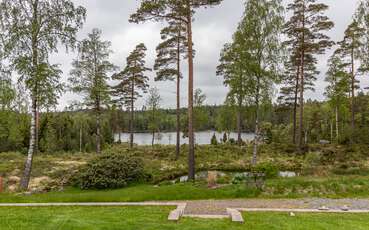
x=150, y=218
x=184, y=191
x=300, y=187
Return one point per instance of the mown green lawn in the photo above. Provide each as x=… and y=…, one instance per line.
x=184, y=191
x=299, y=187
x=154, y=218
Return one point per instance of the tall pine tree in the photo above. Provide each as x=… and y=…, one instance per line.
x=306, y=29
x=289, y=92
x=183, y=11
x=90, y=75
x=168, y=64
x=350, y=51
x=132, y=80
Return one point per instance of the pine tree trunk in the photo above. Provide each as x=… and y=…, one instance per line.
x=153, y=139
x=301, y=126
x=132, y=111
x=28, y=165
x=352, y=95
x=119, y=128
x=191, y=153
x=178, y=128
x=295, y=105
x=80, y=138
x=302, y=84
x=331, y=129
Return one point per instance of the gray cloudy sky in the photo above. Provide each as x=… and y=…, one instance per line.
x=212, y=28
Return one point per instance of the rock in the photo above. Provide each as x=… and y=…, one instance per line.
x=324, y=142
x=201, y=175
x=12, y=188
x=13, y=183
x=287, y=174
x=39, y=184
x=183, y=179
x=12, y=180
x=323, y=208
x=212, y=179
x=221, y=174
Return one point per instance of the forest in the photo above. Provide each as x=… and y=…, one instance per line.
x=278, y=88
x=268, y=67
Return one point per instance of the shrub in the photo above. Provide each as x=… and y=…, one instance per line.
x=269, y=169
x=312, y=159
x=238, y=178
x=111, y=171
x=214, y=140
x=225, y=138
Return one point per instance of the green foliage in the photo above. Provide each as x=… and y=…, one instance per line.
x=266, y=132
x=58, y=132
x=214, y=140
x=270, y=169
x=111, y=171
x=238, y=178
x=89, y=75
x=225, y=138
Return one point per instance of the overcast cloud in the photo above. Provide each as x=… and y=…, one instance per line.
x=212, y=28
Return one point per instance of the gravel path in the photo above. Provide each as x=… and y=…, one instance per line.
x=218, y=207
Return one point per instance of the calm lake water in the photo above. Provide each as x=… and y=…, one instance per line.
x=201, y=138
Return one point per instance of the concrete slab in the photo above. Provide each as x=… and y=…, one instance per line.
x=235, y=215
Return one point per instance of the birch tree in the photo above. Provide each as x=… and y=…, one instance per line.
x=232, y=70
x=31, y=30
x=337, y=89
x=259, y=40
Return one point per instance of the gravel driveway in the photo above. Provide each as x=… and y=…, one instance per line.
x=218, y=207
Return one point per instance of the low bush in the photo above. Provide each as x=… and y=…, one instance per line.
x=269, y=169
x=112, y=171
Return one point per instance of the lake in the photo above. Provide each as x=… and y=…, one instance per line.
x=169, y=138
